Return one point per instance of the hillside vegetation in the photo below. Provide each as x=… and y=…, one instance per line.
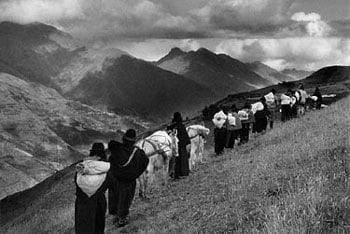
x=293, y=179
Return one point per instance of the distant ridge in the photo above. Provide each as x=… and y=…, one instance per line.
x=221, y=73
x=296, y=74
x=133, y=85
x=330, y=74
x=269, y=73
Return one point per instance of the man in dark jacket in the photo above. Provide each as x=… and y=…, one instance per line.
x=181, y=162
x=127, y=164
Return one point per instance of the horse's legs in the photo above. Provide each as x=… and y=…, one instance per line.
x=142, y=180
x=166, y=171
x=193, y=156
x=201, y=150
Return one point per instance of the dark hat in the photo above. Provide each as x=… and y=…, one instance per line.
x=113, y=145
x=130, y=135
x=246, y=105
x=273, y=91
x=177, y=118
x=97, y=147
x=234, y=108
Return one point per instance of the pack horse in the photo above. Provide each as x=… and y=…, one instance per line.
x=197, y=133
x=159, y=147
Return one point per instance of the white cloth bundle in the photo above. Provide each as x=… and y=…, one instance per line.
x=231, y=119
x=258, y=106
x=91, y=175
x=270, y=98
x=314, y=98
x=285, y=100
x=243, y=115
x=219, y=119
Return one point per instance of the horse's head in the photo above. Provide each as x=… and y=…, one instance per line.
x=174, y=142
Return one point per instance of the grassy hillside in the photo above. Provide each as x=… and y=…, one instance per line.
x=293, y=179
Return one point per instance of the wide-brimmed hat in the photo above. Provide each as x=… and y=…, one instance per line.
x=130, y=135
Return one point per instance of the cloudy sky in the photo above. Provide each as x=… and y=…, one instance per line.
x=303, y=34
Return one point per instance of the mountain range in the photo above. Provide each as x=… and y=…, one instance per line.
x=59, y=95
x=222, y=73
x=180, y=81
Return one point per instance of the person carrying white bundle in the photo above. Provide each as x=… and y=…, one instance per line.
x=92, y=180
x=271, y=102
x=233, y=126
x=219, y=121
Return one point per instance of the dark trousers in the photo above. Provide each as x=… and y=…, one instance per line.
x=90, y=214
x=285, y=113
x=244, y=134
x=120, y=197
x=220, y=140
x=271, y=116
x=260, y=125
x=181, y=163
x=231, y=136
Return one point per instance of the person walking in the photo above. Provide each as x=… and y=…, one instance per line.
x=128, y=162
x=233, y=127
x=219, y=121
x=184, y=144
x=285, y=105
x=319, y=100
x=271, y=101
x=301, y=96
x=247, y=118
x=92, y=179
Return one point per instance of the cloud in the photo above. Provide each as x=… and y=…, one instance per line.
x=311, y=23
x=251, y=17
x=145, y=19
x=50, y=11
x=307, y=53
x=189, y=44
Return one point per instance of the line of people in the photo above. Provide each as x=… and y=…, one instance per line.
x=117, y=169
x=126, y=162
x=232, y=124
x=117, y=173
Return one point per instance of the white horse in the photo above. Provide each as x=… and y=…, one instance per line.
x=159, y=147
x=197, y=134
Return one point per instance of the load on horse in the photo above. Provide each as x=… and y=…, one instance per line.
x=197, y=133
x=160, y=147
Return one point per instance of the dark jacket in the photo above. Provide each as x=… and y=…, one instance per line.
x=121, y=155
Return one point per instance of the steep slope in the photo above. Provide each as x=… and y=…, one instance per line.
x=268, y=73
x=330, y=74
x=221, y=73
x=279, y=182
x=130, y=85
x=296, y=74
x=40, y=132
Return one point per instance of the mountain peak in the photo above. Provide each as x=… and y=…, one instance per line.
x=203, y=50
x=176, y=51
